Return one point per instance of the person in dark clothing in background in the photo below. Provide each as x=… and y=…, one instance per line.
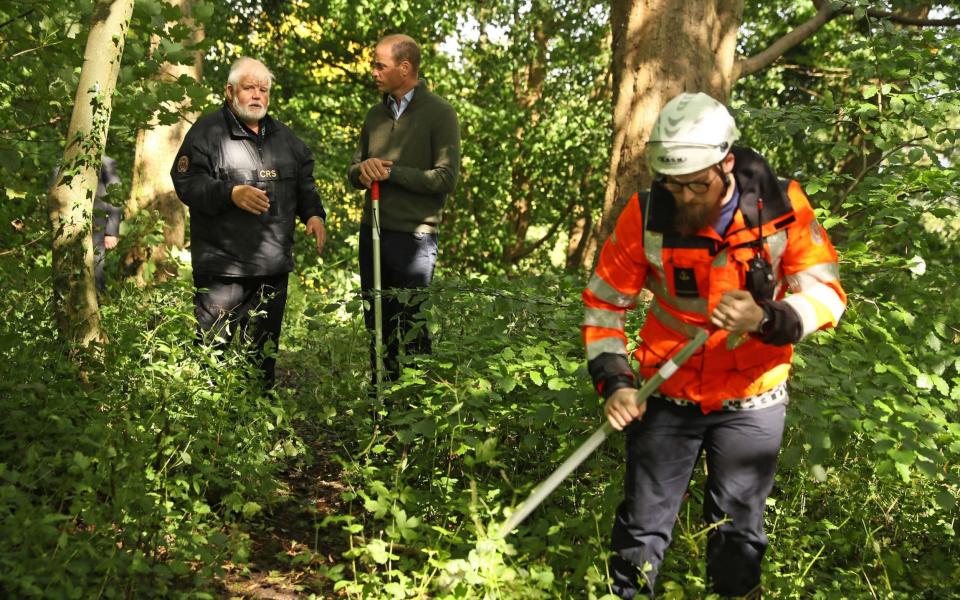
x=106, y=220
x=106, y=217
x=246, y=178
x=410, y=143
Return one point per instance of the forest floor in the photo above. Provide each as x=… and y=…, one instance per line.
x=290, y=545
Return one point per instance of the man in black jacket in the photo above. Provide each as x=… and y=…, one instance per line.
x=246, y=177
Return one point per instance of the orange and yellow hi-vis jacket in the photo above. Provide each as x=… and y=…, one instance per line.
x=688, y=275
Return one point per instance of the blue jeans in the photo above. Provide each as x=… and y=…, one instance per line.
x=407, y=261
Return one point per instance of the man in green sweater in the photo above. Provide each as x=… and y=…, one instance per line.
x=410, y=143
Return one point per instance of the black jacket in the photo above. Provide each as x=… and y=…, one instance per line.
x=219, y=153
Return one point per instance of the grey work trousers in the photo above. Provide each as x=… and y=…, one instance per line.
x=663, y=448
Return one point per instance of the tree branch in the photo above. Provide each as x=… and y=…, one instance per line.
x=765, y=58
x=868, y=168
x=17, y=18
x=901, y=19
x=33, y=127
x=825, y=14
x=528, y=250
x=30, y=243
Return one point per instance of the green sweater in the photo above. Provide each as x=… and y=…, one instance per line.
x=424, y=145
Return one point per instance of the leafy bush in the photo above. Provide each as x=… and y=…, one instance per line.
x=128, y=471
x=466, y=433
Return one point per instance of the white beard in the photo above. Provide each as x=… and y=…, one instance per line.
x=247, y=115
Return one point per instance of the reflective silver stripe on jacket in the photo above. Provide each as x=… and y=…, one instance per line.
x=606, y=292
x=671, y=322
x=610, y=319
x=777, y=243
x=812, y=276
x=809, y=299
x=653, y=249
x=777, y=395
x=689, y=305
x=613, y=345
x=720, y=260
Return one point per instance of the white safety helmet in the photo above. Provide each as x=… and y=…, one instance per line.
x=692, y=132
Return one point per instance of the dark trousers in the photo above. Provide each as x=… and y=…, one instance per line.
x=741, y=450
x=99, y=256
x=250, y=306
x=407, y=261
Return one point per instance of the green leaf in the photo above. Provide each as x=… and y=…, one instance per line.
x=250, y=509
x=819, y=473
x=941, y=384
x=896, y=105
x=933, y=342
x=379, y=506
x=543, y=415
x=945, y=499
x=202, y=11
x=903, y=457
x=79, y=459
x=378, y=551
x=904, y=471
x=487, y=450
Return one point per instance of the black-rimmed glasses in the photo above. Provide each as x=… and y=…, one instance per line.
x=676, y=187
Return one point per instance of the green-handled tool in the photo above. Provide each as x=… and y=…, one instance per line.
x=546, y=487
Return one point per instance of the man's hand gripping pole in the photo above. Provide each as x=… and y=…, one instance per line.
x=546, y=487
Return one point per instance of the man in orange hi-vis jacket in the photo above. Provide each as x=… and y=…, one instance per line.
x=724, y=245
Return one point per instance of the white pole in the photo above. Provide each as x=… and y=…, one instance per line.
x=546, y=487
x=377, y=303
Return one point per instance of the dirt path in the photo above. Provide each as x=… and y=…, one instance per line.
x=290, y=551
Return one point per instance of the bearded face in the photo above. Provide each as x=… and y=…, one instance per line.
x=695, y=215
x=698, y=198
x=248, y=113
x=250, y=98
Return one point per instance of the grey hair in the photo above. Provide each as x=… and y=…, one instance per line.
x=243, y=66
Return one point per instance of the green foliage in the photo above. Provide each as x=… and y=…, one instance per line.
x=137, y=475
x=128, y=475
x=464, y=435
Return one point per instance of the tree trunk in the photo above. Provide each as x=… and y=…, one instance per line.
x=660, y=48
x=579, y=232
x=151, y=188
x=71, y=199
